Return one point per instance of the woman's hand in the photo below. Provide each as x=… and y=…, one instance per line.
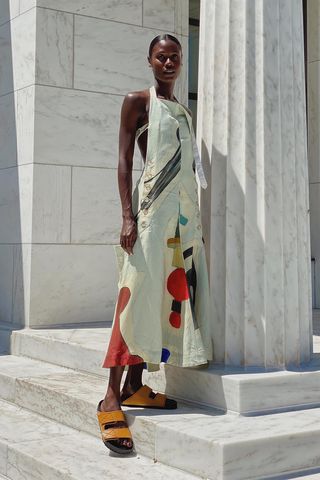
x=128, y=235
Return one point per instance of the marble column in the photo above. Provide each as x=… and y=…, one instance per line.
x=251, y=131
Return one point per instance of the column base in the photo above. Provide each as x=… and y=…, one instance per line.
x=247, y=391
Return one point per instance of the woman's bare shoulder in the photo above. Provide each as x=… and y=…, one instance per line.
x=138, y=99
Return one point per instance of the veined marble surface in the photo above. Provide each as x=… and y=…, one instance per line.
x=156, y=14
x=17, y=45
x=9, y=9
x=6, y=279
x=235, y=389
x=51, y=204
x=47, y=450
x=54, y=59
x=93, y=198
x=76, y=287
x=124, y=11
x=104, y=63
x=77, y=128
x=64, y=70
x=252, y=135
x=8, y=137
x=16, y=204
x=226, y=440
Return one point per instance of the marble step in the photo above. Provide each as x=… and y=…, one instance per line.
x=250, y=390
x=35, y=448
x=204, y=442
x=82, y=349
x=301, y=476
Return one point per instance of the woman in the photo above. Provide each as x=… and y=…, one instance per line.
x=163, y=307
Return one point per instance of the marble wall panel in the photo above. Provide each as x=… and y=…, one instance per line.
x=159, y=14
x=313, y=30
x=181, y=17
x=14, y=190
x=111, y=57
x=181, y=86
x=17, y=47
x=25, y=101
x=8, y=131
x=6, y=276
x=77, y=128
x=126, y=11
x=60, y=128
x=24, y=207
x=54, y=51
x=26, y=5
x=51, y=204
x=314, y=121
x=72, y=284
x=21, y=284
x=16, y=127
x=96, y=207
x=8, y=10
x=6, y=64
x=3, y=458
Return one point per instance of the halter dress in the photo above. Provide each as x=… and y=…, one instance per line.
x=163, y=310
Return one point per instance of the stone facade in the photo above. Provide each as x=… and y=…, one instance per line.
x=313, y=89
x=65, y=68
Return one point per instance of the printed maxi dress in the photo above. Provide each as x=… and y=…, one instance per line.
x=163, y=311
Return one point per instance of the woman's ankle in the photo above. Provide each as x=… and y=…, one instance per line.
x=108, y=405
x=131, y=388
x=111, y=400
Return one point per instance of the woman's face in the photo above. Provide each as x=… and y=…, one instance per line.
x=166, y=60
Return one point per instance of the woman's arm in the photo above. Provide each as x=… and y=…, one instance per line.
x=130, y=114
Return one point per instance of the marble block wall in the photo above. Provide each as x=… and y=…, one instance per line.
x=65, y=68
x=313, y=88
x=252, y=135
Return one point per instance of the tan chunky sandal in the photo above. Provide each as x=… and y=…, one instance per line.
x=111, y=432
x=146, y=397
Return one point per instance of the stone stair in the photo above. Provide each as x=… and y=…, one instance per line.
x=52, y=381
x=35, y=448
x=253, y=390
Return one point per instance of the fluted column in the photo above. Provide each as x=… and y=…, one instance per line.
x=252, y=135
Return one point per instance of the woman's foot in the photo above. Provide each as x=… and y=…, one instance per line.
x=110, y=406
x=129, y=390
x=146, y=398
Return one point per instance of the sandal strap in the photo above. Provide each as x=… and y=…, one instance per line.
x=142, y=398
x=160, y=399
x=110, y=417
x=115, y=433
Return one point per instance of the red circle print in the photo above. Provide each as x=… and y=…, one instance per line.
x=177, y=285
x=175, y=319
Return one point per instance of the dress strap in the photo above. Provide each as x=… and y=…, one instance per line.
x=198, y=162
x=142, y=129
x=152, y=91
